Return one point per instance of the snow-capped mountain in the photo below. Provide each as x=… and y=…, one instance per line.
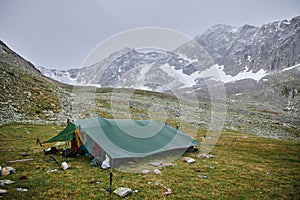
x=225, y=54
x=64, y=76
x=151, y=70
x=272, y=47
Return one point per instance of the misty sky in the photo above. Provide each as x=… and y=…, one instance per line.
x=60, y=34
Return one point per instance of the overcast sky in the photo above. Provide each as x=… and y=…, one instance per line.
x=60, y=34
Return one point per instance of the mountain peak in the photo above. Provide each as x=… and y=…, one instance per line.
x=271, y=47
x=217, y=27
x=247, y=27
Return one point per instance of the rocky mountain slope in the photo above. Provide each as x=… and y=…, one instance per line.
x=272, y=47
x=26, y=95
x=132, y=69
x=235, y=53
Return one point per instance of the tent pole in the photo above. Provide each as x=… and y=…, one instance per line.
x=110, y=181
x=68, y=120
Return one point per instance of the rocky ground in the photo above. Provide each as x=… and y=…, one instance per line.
x=242, y=113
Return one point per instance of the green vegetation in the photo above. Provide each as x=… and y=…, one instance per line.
x=243, y=168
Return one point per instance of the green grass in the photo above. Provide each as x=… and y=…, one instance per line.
x=244, y=168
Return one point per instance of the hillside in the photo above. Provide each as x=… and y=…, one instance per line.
x=26, y=95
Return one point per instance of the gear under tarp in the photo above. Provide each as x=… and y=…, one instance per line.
x=68, y=134
x=126, y=138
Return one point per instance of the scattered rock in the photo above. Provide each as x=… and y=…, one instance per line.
x=157, y=171
x=6, y=182
x=22, y=189
x=202, y=176
x=146, y=171
x=2, y=191
x=207, y=156
x=189, y=159
x=168, y=192
x=122, y=191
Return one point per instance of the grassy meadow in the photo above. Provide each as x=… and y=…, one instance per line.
x=244, y=167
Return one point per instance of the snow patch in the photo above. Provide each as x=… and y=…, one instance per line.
x=286, y=22
x=289, y=68
x=178, y=75
x=142, y=87
x=216, y=72
x=249, y=58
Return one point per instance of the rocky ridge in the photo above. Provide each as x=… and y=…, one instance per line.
x=272, y=47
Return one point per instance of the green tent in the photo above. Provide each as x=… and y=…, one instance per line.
x=126, y=138
x=67, y=134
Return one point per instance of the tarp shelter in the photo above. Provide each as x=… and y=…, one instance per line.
x=126, y=138
x=68, y=134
